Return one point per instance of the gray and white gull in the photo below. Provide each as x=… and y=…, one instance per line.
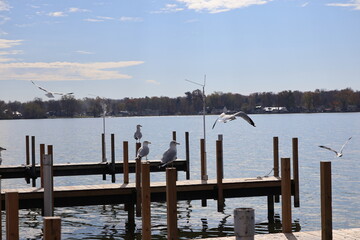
x=138, y=134
x=338, y=154
x=51, y=94
x=230, y=117
x=143, y=151
x=169, y=155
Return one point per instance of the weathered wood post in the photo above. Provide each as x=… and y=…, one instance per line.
x=12, y=215
x=203, y=167
x=0, y=213
x=220, y=174
x=171, y=202
x=126, y=161
x=33, y=173
x=187, y=154
x=296, y=172
x=174, y=135
x=271, y=209
x=113, y=158
x=145, y=197
x=52, y=228
x=138, y=187
x=42, y=152
x=326, y=200
x=286, y=195
x=276, y=162
x=48, y=186
x=27, y=145
x=137, y=146
x=244, y=223
x=103, y=152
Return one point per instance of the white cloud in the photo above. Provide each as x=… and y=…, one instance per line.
x=4, y=6
x=3, y=19
x=64, y=71
x=169, y=8
x=152, y=82
x=105, y=18
x=93, y=20
x=74, y=10
x=305, y=4
x=2, y=33
x=13, y=52
x=84, y=52
x=217, y=6
x=5, y=43
x=131, y=19
x=57, y=14
x=355, y=4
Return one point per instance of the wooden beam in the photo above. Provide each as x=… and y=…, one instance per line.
x=145, y=199
x=171, y=202
x=12, y=215
x=326, y=200
x=296, y=172
x=286, y=195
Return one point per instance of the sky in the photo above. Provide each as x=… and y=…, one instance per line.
x=137, y=48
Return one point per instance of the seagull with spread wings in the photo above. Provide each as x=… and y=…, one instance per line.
x=230, y=117
x=338, y=154
x=51, y=94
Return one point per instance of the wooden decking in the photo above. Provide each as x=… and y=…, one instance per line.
x=126, y=193
x=341, y=234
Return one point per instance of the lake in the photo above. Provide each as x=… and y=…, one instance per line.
x=247, y=153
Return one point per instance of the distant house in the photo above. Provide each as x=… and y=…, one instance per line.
x=275, y=109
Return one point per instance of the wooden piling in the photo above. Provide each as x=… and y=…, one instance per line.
x=126, y=161
x=276, y=162
x=296, y=172
x=33, y=161
x=0, y=213
x=50, y=151
x=271, y=209
x=12, y=215
x=138, y=187
x=174, y=135
x=48, y=186
x=137, y=146
x=171, y=202
x=220, y=175
x=145, y=197
x=187, y=154
x=326, y=200
x=203, y=167
x=27, y=145
x=286, y=195
x=52, y=228
x=103, y=152
x=113, y=158
x=244, y=223
x=42, y=152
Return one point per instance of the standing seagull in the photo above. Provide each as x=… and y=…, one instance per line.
x=1, y=149
x=170, y=155
x=338, y=154
x=50, y=94
x=143, y=150
x=227, y=117
x=138, y=134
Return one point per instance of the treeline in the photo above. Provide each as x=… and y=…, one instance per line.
x=191, y=103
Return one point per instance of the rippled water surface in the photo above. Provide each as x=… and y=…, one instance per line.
x=247, y=153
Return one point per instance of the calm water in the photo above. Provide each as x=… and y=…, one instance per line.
x=247, y=153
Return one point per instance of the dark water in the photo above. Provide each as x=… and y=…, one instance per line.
x=247, y=153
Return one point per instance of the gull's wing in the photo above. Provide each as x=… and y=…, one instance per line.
x=215, y=122
x=41, y=87
x=329, y=149
x=245, y=117
x=168, y=156
x=345, y=144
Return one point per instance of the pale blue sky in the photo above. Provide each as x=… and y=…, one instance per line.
x=133, y=48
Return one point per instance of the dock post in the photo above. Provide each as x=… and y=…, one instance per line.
x=244, y=223
x=103, y=152
x=203, y=167
x=270, y=206
x=126, y=161
x=187, y=154
x=12, y=215
x=219, y=174
x=113, y=158
x=33, y=161
x=276, y=162
x=146, y=200
x=137, y=146
x=0, y=213
x=286, y=195
x=296, y=172
x=52, y=228
x=27, y=145
x=171, y=202
x=326, y=200
x=48, y=186
x=138, y=187
x=174, y=135
x=42, y=152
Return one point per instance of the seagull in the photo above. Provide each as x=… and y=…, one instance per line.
x=143, y=151
x=338, y=154
x=138, y=134
x=169, y=155
x=227, y=117
x=50, y=94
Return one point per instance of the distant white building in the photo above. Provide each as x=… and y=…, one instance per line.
x=275, y=109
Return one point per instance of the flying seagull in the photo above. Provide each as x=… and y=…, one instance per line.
x=138, y=134
x=143, y=150
x=169, y=155
x=50, y=94
x=338, y=154
x=229, y=117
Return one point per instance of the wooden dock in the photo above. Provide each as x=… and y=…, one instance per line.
x=341, y=234
x=126, y=193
